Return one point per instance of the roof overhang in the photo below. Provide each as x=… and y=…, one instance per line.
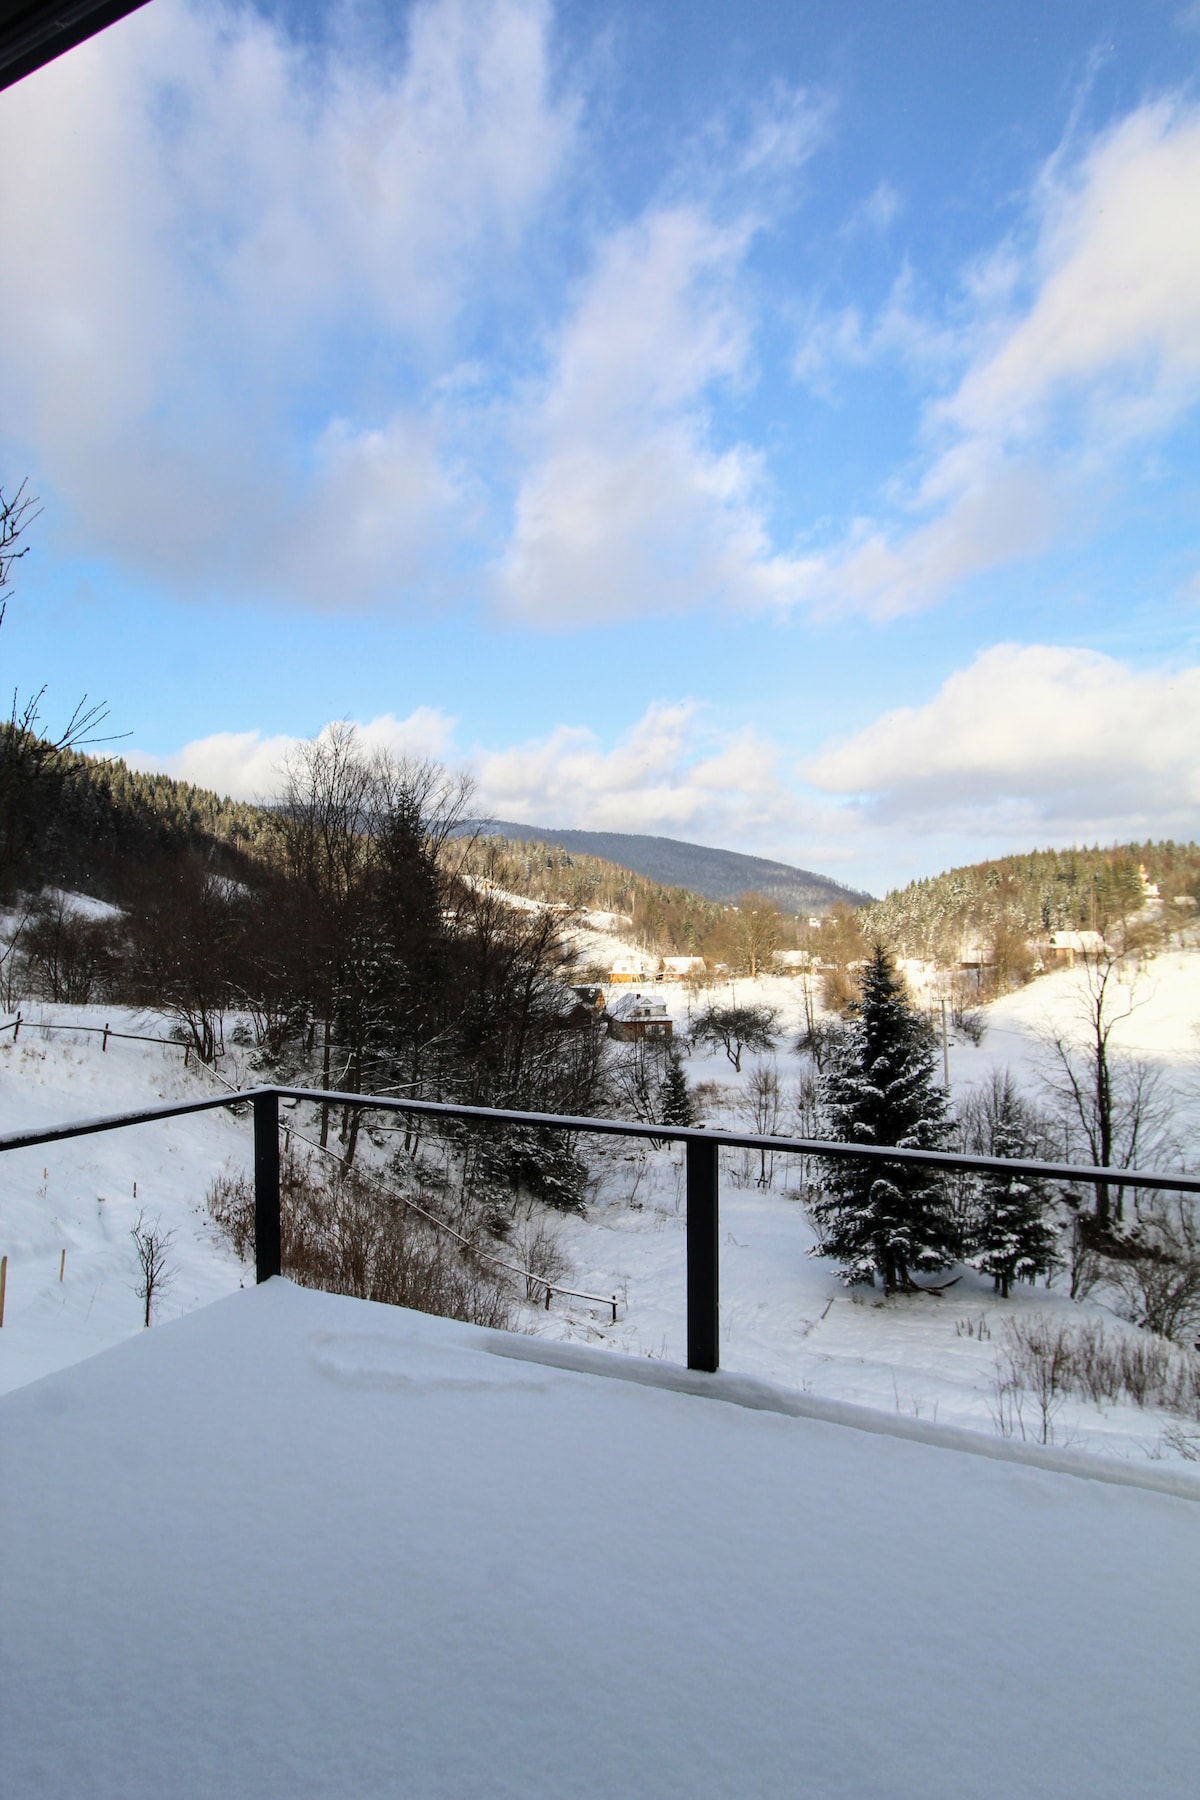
x=33, y=32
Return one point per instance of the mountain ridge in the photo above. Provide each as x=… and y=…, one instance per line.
x=702, y=868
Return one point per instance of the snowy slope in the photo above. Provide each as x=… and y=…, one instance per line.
x=79, y=1196
x=784, y=1317
x=784, y=1314
x=299, y=1546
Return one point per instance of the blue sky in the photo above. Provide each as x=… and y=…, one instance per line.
x=774, y=425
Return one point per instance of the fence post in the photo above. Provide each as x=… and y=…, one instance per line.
x=703, y=1161
x=267, y=1259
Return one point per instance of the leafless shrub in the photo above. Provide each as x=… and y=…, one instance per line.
x=151, y=1244
x=535, y=1245
x=762, y=1106
x=1008, y=1404
x=1159, y=1279
x=230, y=1204
x=66, y=956
x=1050, y=1359
x=1085, y=1264
x=1185, y=1444
x=345, y=1235
x=1035, y=1358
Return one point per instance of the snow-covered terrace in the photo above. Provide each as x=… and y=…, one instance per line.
x=296, y=1545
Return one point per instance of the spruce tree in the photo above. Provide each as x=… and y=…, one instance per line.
x=877, y=1218
x=1012, y=1238
x=675, y=1103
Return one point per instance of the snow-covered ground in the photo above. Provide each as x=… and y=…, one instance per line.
x=299, y=1546
x=83, y=1196
x=784, y=1315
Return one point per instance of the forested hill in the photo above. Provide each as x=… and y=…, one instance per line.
x=88, y=822
x=722, y=875
x=1044, y=890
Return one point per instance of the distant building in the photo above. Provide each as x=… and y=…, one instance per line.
x=682, y=968
x=644, y=1019
x=1065, y=946
x=791, y=959
x=634, y=968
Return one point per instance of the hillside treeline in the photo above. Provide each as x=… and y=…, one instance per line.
x=365, y=958
x=1009, y=903
x=88, y=822
x=666, y=921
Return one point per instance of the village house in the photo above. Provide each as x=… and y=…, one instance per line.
x=644, y=1019
x=682, y=968
x=791, y=959
x=633, y=968
x=1065, y=946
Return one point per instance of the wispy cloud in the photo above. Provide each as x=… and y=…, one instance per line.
x=631, y=504
x=1072, y=347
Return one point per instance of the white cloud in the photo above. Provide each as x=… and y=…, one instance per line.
x=1031, y=739
x=631, y=503
x=1071, y=349
x=902, y=329
x=667, y=775
x=1028, y=745
x=209, y=223
x=1115, y=320
x=247, y=764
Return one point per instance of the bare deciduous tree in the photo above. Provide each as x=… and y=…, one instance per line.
x=26, y=753
x=1113, y=1100
x=763, y=1107
x=756, y=932
x=152, y=1245
x=736, y=1029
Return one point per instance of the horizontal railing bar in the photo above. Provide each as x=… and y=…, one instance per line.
x=25, y=1140
x=700, y=1134
x=834, y=1149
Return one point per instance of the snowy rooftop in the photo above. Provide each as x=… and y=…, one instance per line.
x=295, y=1545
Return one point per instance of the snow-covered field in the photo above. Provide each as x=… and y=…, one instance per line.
x=784, y=1315
x=302, y=1547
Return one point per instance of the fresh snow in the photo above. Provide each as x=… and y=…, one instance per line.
x=299, y=1546
x=785, y=1318
x=78, y=1196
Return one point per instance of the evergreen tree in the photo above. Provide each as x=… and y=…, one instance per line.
x=1012, y=1238
x=675, y=1103
x=876, y=1218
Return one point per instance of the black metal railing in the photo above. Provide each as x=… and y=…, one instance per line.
x=702, y=1153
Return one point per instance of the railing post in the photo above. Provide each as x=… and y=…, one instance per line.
x=703, y=1161
x=267, y=1259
